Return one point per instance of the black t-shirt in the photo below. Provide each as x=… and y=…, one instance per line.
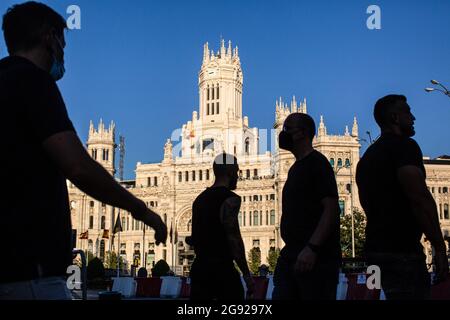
x=309, y=181
x=208, y=233
x=391, y=226
x=35, y=227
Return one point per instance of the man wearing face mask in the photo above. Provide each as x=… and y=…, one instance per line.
x=42, y=151
x=217, y=239
x=399, y=207
x=308, y=266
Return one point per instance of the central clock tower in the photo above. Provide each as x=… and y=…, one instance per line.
x=220, y=86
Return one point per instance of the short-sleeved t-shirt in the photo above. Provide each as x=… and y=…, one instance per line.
x=391, y=226
x=309, y=181
x=35, y=221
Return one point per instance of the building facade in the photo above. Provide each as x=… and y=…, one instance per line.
x=219, y=125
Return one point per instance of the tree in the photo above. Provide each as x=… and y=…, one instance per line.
x=254, y=260
x=346, y=233
x=111, y=261
x=272, y=258
x=89, y=256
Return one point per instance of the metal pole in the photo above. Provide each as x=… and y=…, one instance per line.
x=144, y=262
x=351, y=206
x=118, y=249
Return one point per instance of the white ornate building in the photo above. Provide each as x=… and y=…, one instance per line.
x=171, y=186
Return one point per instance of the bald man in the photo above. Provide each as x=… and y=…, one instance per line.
x=308, y=266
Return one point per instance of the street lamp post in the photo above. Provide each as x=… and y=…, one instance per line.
x=444, y=90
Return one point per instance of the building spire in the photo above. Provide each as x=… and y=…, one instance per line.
x=322, y=128
x=355, y=128
x=346, y=131
x=206, y=53
x=222, y=48
x=293, y=105
x=91, y=127
x=229, y=50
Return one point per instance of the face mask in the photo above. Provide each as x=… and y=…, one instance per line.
x=285, y=141
x=57, y=70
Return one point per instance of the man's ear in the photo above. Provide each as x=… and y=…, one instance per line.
x=393, y=117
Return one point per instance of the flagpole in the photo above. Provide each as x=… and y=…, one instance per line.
x=118, y=249
x=171, y=241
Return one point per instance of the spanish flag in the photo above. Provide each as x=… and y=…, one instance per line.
x=84, y=235
x=105, y=234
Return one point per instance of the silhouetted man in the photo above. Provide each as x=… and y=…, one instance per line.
x=398, y=205
x=308, y=266
x=42, y=150
x=217, y=239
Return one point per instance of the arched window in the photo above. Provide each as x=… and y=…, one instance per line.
x=248, y=174
x=272, y=217
x=103, y=223
x=207, y=174
x=267, y=218
x=255, y=198
x=207, y=109
x=332, y=162
x=217, y=108
x=445, y=190
x=91, y=222
x=193, y=175
x=152, y=203
x=255, y=173
x=102, y=250
x=180, y=176
x=217, y=92
x=247, y=145
x=186, y=176
x=347, y=163
x=244, y=219
x=256, y=218
x=155, y=181
x=200, y=175
x=446, y=211
x=339, y=163
x=207, y=92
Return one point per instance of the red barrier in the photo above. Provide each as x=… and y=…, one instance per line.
x=441, y=291
x=148, y=287
x=185, y=288
x=359, y=291
x=261, y=284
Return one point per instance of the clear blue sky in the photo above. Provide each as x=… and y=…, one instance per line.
x=136, y=62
